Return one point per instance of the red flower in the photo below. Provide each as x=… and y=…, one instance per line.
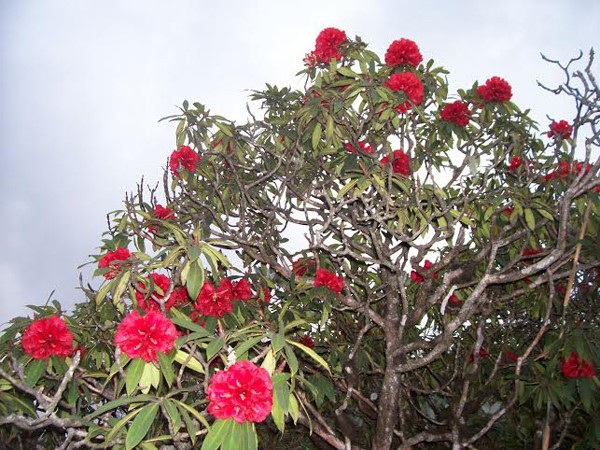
x=454, y=300
x=307, y=341
x=495, y=89
x=114, y=262
x=243, y=391
x=144, y=337
x=576, y=367
x=328, y=44
x=515, y=163
x=330, y=280
x=507, y=211
x=403, y=51
x=185, y=158
x=161, y=213
x=408, y=83
x=241, y=290
x=215, y=302
x=482, y=354
x=46, y=337
x=512, y=356
x=414, y=276
x=400, y=163
x=457, y=112
x=529, y=252
x=560, y=129
x=310, y=59
x=82, y=351
x=302, y=265
x=361, y=146
x=266, y=295
x=149, y=302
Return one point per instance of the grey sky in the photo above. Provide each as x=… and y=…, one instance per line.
x=83, y=83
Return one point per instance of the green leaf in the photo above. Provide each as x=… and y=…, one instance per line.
x=173, y=413
x=291, y=359
x=347, y=72
x=140, y=426
x=277, y=414
x=166, y=367
x=192, y=363
x=277, y=340
x=189, y=424
x=219, y=430
x=34, y=371
x=234, y=440
x=346, y=188
x=226, y=131
x=214, y=347
x=133, y=374
x=310, y=352
x=247, y=345
x=195, y=279
x=294, y=411
x=269, y=362
x=193, y=412
x=316, y=136
x=529, y=219
x=125, y=400
x=249, y=440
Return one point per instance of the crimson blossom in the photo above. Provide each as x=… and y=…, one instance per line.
x=114, y=262
x=148, y=302
x=46, y=337
x=412, y=87
x=403, y=51
x=243, y=391
x=560, y=129
x=400, y=163
x=363, y=147
x=241, y=290
x=302, y=265
x=495, y=89
x=515, y=163
x=575, y=367
x=415, y=277
x=185, y=158
x=215, y=302
x=161, y=213
x=457, y=113
x=328, y=44
x=145, y=336
x=330, y=280
x=307, y=341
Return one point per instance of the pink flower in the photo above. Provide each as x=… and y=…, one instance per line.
x=575, y=367
x=400, y=163
x=515, y=163
x=403, y=51
x=560, y=129
x=46, y=337
x=410, y=85
x=330, y=280
x=148, y=302
x=457, y=112
x=243, y=391
x=144, y=337
x=185, y=158
x=495, y=89
x=114, y=262
x=328, y=44
x=241, y=290
x=215, y=302
x=351, y=148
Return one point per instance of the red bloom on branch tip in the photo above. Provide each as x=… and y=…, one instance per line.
x=46, y=337
x=575, y=367
x=351, y=148
x=266, y=295
x=495, y=89
x=148, y=302
x=243, y=391
x=561, y=129
x=114, y=262
x=310, y=59
x=145, y=336
x=454, y=300
x=403, y=51
x=457, y=112
x=400, y=163
x=417, y=278
x=515, y=163
x=303, y=265
x=161, y=213
x=328, y=44
x=185, y=158
x=512, y=356
x=215, y=302
x=507, y=211
x=330, y=280
x=482, y=354
x=307, y=341
x=410, y=85
x=241, y=290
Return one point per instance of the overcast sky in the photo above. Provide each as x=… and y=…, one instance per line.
x=83, y=84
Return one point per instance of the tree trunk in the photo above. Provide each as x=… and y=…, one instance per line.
x=388, y=408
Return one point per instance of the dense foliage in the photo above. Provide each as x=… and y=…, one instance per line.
x=373, y=262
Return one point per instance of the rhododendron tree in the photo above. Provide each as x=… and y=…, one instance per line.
x=380, y=260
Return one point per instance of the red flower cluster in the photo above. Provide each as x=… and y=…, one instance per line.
x=46, y=337
x=412, y=87
x=185, y=158
x=403, y=51
x=243, y=391
x=575, y=367
x=215, y=302
x=507, y=211
x=145, y=336
x=400, y=163
x=330, y=280
x=415, y=277
x=328, y=44
x=161, y=213
x=564, y=169
x=457, y=112
x=515, y=163
x=454, y=300
x=114, y=262
x=512, y=356
x=307, y=341
x=302, y=265
x=149, y=302
x=482, y=354
x=495, y=89
x=310, y=59
x=241, y=290
x=351, y=148
x=266, y=295
x=560, y=129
